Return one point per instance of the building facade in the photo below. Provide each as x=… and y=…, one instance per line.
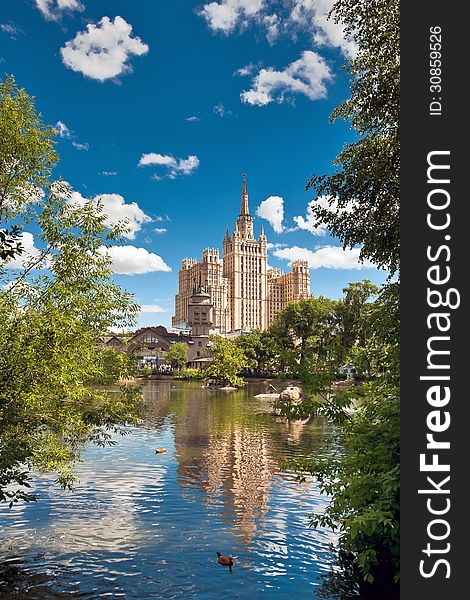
x=287, y=287
x=244, y=294
x=148, y=344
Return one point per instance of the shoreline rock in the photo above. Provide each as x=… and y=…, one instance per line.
x=292, y=393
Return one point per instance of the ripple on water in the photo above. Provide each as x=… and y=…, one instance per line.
x=145, y=525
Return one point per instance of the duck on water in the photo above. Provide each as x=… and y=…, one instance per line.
x=226, y=561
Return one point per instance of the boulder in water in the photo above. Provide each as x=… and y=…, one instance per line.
x=292, y=393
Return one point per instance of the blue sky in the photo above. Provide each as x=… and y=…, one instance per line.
x=161, y=106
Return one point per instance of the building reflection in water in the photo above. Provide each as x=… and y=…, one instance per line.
x=240, y=466
x=232, y=457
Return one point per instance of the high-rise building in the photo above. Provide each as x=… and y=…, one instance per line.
x=245, y=295
x=287, y=287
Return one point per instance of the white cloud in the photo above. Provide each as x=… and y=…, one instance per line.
x=65, y=132
x=52, y=10
x=157, y=159
x=272, y=209
x=272, y=24
x=278, y=17
x=125, y=260
x=174, y=166
x=151, y=309
x=10, y=29
x=20, y=195
x=30, y=251
x=224, y=16
x=79, y=146
x=103, y=51
x=312, y=15
x=192, y=118
x=129, y=260
x=118, y=330
x=107, y=173
x=309, y=222
x=116, y=209
x=62, y=130
x=187, y=165
x=160, y=230
x=246, y=70
x=328, y=257
x=220, y=110
x=307, y=76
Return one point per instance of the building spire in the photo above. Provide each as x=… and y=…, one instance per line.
x=245, y=210
x=262, y=235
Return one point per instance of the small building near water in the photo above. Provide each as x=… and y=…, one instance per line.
x=200, y=321
x=150, y=344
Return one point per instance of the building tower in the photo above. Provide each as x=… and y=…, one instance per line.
x=243, y=294
x=200, y=320
x=208, y=273
x=245, y=262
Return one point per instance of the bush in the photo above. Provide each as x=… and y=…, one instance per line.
x=191, y=374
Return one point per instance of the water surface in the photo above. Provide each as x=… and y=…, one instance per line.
x=146, y=525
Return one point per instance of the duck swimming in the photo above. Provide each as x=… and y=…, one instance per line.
x=161, y=451
x=226, y=561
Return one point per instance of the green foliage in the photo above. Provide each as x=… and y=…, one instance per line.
x=353, y=312
x=114, y=366
x=10, y=242
x=367, y=176
x=177, y=355
x=146, y=371
x=364, y=483
x=303, y=328
x=191, y=374
x=363, y=479
x=314, y=337
x=27, y=157
x=56, y=306
x=260, y=349
x=363, y=196
x=307, y=337
x=227, y=361
x=377, y=351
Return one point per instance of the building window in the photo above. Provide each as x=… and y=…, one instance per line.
x=149, y=338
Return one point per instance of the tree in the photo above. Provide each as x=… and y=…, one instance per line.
x=260, y=350
x=362, y=208
x=353, y=314
x=364, y=480
x=307, y=337
x=177, y=355
x=27, y=157
x=57, y=301
x=363, y=193
x=374, y=351
x=227, y=361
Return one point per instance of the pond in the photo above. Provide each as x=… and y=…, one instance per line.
x=147, y=525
